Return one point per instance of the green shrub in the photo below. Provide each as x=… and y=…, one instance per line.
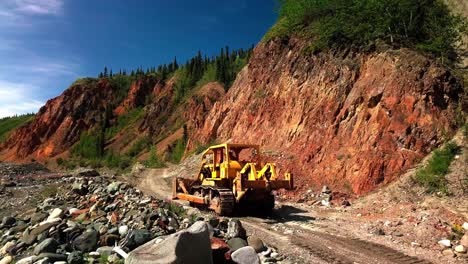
x=86, y=147
x=8, y=124
x=137, y=147
x=426, y=25
x=117, y=161
x=177, y=150
x=59, y=161
x=432, y=176
x=153, y=161
x=123, y=121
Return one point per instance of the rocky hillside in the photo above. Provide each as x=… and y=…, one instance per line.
x=351, y=113
x=348, y=119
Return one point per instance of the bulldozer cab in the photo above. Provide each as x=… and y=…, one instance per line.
x=225, y=160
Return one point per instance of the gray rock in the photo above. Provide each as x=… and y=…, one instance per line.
x=187, y=246
x=236, y=243
x=113, y=187
x=8, y=221
x=235, y=229
x=113, y=258
x=30, y=237
x=245, y=255
x=38, y=217
x=136, y=238
x=79, y=188
x=76, y=257
x=87, y=241
x=256, y=243
x=49, y=245
x=104, y=251
x=51, y=257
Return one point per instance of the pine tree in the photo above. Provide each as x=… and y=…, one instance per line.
x=105, y=71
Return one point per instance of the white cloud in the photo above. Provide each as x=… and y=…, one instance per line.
x=17, y=98
x=31, y=7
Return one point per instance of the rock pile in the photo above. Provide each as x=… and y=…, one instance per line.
x=95, y=220
x=87, y=223
x=455, y=248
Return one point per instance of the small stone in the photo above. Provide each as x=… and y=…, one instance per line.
x=52, y=257
x=27, y=260
x=460, y=249
x=274, y=254
x=235, y=229
x=56, y=213
x=326, y=189
x=123, y=230
x=8, y=245
x=465, y=226
x=415, y=244
x=6, y=260
x=105, y=251
x=464, y=240
x=113, y=258
x=76, y=257
x=448, y=252
x=8, y=221
x=256, y=243
x=445, y=243
x=113, y=187
x=103, y=230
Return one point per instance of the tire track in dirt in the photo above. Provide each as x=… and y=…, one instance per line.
x=324, y=247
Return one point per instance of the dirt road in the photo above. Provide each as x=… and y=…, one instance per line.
x=302, y=235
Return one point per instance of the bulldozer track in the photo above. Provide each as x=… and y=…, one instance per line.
x=226, y=198
x=330, y=248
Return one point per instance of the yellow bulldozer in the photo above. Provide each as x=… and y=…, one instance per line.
x=232, y=175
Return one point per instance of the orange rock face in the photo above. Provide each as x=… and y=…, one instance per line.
x=348, y=120
x=139, y=90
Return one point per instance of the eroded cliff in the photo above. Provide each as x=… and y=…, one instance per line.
x=348, y=119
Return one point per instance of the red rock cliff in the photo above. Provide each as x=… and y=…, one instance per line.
x=349, y=120
x=58, y=124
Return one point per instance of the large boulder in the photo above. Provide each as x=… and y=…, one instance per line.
x=245, y=255
x=187, y=246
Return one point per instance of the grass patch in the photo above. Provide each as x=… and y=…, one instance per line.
x=140, y=145
x=8, y=124
x=123, y=121
x=153, y=161
x=432, y=176
x=177, y=150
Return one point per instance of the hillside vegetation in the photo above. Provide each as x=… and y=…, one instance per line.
x=8, y=124
x=91, y=149
x=425, y=25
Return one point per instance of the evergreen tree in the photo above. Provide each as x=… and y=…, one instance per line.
x=105, y=71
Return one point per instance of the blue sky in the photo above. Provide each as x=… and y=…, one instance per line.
x=46, y=44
